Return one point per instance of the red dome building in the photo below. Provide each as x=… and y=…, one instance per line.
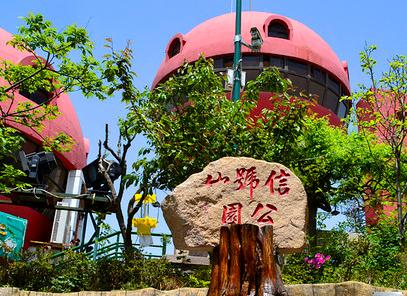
x=66, y=177
x=300, y=54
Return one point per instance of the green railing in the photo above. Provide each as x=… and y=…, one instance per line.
x=112, y=246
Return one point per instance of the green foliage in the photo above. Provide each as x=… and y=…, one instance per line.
x=110, y=274
x=68, y=65
x=144, y=273
x=333, y=165
x=62, y=61
x=10, y=142
x=32, y=272
x=67, y=51
x=199, y=277
x=75, y=273
x=374, y=257
x=189, y=121
x=271, y=81
x=37, y=272
x=384, y=112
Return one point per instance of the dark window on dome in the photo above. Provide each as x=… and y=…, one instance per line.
x=277, y=62
x=218, y=63
x=342, y=110
x=318, y=74
x=299, y=84
x=297, y=67
x=30, y=147
x=175, y=48
x=228, y=62
x=331, y=101
x=251, y=61
x=251, y=74
x=333, y=84
x=40, y=96
x=266, y=62
x=278, y=29
x=317, y=91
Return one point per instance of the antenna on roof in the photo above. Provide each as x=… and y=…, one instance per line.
x=251, y=5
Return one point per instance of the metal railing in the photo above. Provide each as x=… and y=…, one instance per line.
x=112, y=246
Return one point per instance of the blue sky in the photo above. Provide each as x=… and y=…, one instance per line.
x=345, y=25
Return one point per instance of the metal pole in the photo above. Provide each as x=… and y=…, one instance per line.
x=117, y=245
x=85, y=222
x=96, y=244
x=237, y=74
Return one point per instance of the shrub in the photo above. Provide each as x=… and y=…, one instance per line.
x=33, y=272
x=75, y=272
x=375, y=257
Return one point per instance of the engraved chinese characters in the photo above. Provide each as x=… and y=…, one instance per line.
x=237, y=191
x=246, y=177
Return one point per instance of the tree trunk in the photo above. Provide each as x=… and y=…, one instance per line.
x=244, y=263
x=128, y=243
x=125, y=231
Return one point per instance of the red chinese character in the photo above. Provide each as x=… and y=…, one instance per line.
x=265, y=217
x=282, y=182
x=247, y=177
x=232, y=214
x=209, y=180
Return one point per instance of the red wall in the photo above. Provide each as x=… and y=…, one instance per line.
x=39, y=227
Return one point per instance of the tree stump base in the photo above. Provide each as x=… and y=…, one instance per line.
x=244, y=263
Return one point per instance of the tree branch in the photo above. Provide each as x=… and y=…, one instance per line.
x=18, y=83
x=107, y=147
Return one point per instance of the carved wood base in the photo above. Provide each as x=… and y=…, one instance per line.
x=244, y=263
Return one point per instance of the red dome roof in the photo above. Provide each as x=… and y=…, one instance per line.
x=214, y=38
x=67, y=122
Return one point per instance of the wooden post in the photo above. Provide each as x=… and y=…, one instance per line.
x=271, y=282
x=234, y=262
x=214, y=287
x=223, y=260
x=249, y=236
x=244, y=263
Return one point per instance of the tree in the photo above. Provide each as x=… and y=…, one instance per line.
x=143, y=106
x=119, y=77
x=68, y=65
x=384, y=112
x=188, y=122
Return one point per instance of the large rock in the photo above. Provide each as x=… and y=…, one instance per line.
x=237, y=190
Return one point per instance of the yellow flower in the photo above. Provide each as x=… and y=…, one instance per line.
x=144, y=225
x=150, y=198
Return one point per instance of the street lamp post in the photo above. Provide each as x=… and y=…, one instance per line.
x=255, y=46
x=237, y=60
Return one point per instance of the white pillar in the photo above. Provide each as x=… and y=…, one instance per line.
x=65, y=221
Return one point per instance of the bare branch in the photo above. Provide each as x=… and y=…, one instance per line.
x=107, y=177
x=107, y=147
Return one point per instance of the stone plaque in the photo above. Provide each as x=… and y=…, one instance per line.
x=237, y=190
x=387, y=294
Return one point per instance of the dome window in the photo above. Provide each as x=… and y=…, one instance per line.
x=278, y=29
x=40, y=96
x=174, y=48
